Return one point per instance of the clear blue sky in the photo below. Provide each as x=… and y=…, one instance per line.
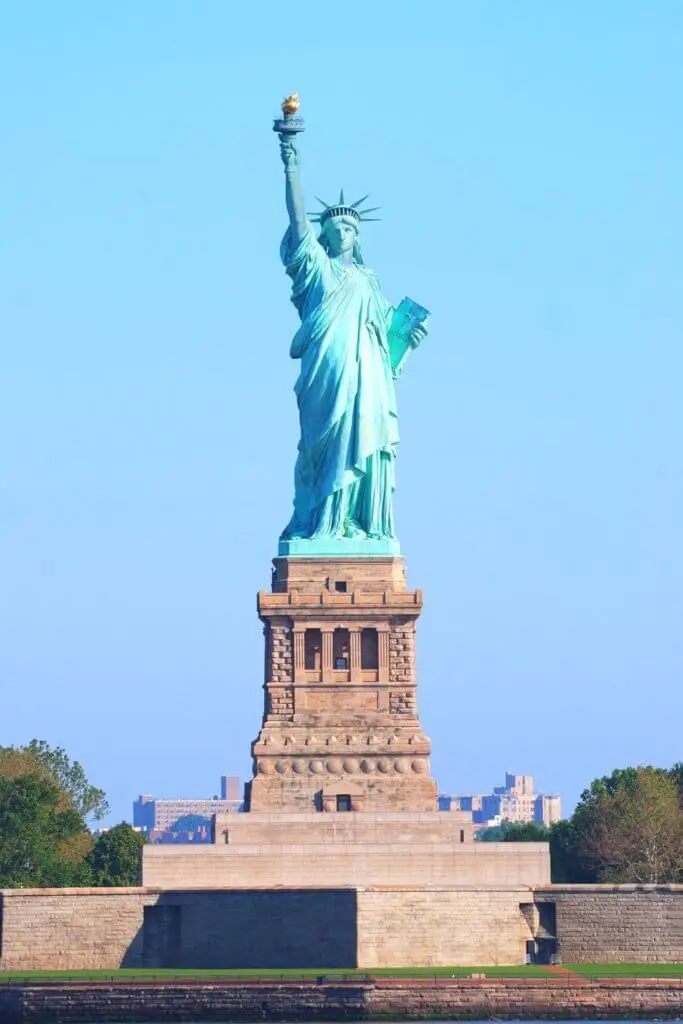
x=528, y=157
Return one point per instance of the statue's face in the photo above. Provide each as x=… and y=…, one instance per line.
x=341, y=234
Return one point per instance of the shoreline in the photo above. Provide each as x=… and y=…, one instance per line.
x=548, y=998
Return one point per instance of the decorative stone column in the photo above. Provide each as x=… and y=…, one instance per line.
x=383, y=664
x=355, y=652
x=299, y=652
x=328, y=642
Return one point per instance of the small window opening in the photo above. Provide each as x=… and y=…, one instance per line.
x=343, y=803
x=462, y=835
x=226, y=837
x=340, y=586
x=340, y=649
x=313, y=644
x=369, y=649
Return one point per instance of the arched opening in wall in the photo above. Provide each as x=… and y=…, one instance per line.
x=313, y=650
x=369, y=649
x=340, y=650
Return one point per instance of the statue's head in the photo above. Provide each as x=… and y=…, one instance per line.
x=339, y=235
x=339, y=226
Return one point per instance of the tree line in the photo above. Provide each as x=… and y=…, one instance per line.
x=627, y=827
x=47, y=806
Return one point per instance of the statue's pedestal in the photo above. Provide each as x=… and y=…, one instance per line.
x=340, y=729
x=342, y=805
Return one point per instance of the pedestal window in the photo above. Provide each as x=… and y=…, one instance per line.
x=313, y=646
x=369, y=650
x=341, y=650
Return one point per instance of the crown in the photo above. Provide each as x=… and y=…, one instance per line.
x=343, y=209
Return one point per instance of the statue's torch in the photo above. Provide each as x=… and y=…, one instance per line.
x=289, y=124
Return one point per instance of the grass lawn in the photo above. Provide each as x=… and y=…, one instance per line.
x=514, y=971
x=307, y=973
x=626, y=970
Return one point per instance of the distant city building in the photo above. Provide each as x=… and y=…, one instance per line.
x=183, y=820
x=515, y=801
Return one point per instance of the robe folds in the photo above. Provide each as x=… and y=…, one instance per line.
x=344, y=475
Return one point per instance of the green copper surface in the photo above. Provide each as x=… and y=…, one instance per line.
x=352, y=345
x=329, y=547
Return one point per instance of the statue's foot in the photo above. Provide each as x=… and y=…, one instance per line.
x=352, y=531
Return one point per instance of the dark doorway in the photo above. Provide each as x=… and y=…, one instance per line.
x=161, y=935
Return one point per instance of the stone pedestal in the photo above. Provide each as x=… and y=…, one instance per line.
x=342, y=796
x=340, y=729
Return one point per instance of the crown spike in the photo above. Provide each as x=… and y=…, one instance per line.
x=342, y=208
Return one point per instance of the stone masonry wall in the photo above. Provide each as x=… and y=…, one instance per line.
x=267, y=928
x=281, y=700
x=73, y=929
x=441, y=927
x=356, y=862
x=402, y=651
x=384, y=998
x=68, y=929
x=617, y=923
x=402, y=702
x=377, y=926
x=281, y=653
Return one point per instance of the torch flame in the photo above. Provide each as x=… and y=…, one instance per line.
x=291, y=104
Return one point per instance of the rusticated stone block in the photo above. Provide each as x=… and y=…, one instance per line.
x=281, y=654
x=281, y=701
x=402, y=702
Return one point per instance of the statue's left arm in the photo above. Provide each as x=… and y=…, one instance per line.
x=415, y=336
x=401, y=341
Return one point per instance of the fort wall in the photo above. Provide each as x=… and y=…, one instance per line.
x=369, y=927
x=616, y=923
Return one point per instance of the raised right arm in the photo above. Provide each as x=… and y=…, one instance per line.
x=294, y=197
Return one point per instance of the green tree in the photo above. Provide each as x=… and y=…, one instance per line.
x=43, y=839
x=567, y=863
x=515, y=832
x=115, y=857
x=44, y=801
x=629, y=827
x=190, y=823
x=70, y=776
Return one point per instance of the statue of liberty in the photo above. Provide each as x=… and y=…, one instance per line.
x=352, y=344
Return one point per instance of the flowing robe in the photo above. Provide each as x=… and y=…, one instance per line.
x=344, y=474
